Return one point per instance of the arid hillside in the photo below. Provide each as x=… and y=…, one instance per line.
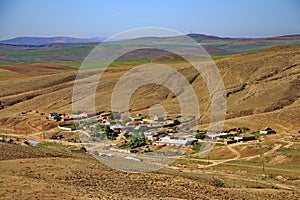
x=262, y=87
x=47, y=175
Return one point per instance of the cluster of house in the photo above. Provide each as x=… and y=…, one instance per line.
x=150, y=127
x=66, y=117
x=235, y=135
x=159, y=130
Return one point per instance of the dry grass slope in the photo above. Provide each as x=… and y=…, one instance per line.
x=262, y=85
x=82, y=177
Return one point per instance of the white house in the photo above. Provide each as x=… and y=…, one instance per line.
x=178, y=142
x=217, y=135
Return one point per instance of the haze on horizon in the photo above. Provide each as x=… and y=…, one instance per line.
x=87, y=19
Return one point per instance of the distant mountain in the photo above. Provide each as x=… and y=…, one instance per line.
x=202, y=37
x=38, y=41
x=27, y=49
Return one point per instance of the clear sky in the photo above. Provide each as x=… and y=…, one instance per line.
x=99, y=18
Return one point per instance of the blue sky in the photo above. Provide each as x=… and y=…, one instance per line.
x=97, y=18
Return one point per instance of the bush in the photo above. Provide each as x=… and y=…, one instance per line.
x=99, y=127
x=57, y=118
x=217, y=182
x=197, y=146
x=110, y=134
x=200, y=136
x=77, y=112
x=137, y=142
x=244, y=129
x=162, y=132
x=126, y=135
x=115, y=115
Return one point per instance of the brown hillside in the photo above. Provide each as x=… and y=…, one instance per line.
x=261, y=86
x=44, y=175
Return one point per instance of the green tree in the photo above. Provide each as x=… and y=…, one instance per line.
x=137, y=142
x=57, y=118
x=162, y=132
x=99, y=127
x=126, y=135
x=115, y=115
x=200, y=136
x=110, y=134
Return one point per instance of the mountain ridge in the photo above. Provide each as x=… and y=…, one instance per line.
x=40, y=41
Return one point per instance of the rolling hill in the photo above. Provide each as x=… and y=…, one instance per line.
x=76, y=49
x=262, y=87
x=40, y=41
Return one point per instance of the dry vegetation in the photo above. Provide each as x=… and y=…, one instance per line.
x=262, y=87
x=81, y=177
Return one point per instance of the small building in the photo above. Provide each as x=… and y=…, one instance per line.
x=217, y=135
x=158, y=118
x=150, y=135
x=141, y=127
x=267, y=130
x=74, y=117
x=177, y=142
x=53, y=114
x=136, y=119
x=247, y=137
x=234, y=131
x=31, y=143
x=155, y=124
x=244, y=137
x=229, y=141
x=117, y=128
x=171, y=122
x=89, y=114
x=238, y=138
x=130, y=126
x=107, y=122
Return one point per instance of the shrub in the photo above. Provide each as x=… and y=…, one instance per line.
x=115, y=115
x=217, y=182
x=57, y=118
x=137, y=142
x=244, y=129
x=77, y=112
x=200, y=136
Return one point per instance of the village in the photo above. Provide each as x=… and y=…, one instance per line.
x=137, y=133
x=141, y=134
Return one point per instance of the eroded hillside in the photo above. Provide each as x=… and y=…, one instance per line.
x=262, y=85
